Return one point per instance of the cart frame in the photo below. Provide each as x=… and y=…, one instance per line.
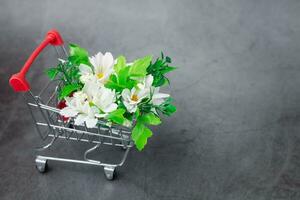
x=50, y=125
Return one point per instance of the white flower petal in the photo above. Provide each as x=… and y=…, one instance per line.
x=157, y=101
x=130, y=107
x=140, y=85
x=157, y=97
x=126, y=94
x=110, y=108
x=90, y=122
x=91, y=88
x=79, y=120
x=154, y=111
x=99, y=57
x=96, y=60
x=108, y=60
x=133, y=109
x=160, y=96
x=143, y=94
x=85, y=70
x=68, y=100
x=68, y=112
x=101, y=115
x=149, y=81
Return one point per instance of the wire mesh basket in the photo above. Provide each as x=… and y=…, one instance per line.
x=51, y=126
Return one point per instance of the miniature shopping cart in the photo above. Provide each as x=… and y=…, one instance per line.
x=51, y=126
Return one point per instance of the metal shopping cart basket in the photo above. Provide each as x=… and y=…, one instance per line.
x=51, y=126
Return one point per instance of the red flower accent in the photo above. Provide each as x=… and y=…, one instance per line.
x=62, y=104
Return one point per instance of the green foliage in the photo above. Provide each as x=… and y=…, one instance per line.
x=150, y=119
x=166, y=107
x=125, y=77
x=120, y=80
x=139, y=67
x=158, y=69
x=52, y=72
x=140, y=134
x=168, y=59
x=145, y=106
x=68, y=71
x=117, y=116
x=78, y=55
x=68, y=89
x=121, y=63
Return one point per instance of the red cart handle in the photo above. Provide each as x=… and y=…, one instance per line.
x=18, y=81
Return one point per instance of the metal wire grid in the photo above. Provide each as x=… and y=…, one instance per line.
x=50, y=124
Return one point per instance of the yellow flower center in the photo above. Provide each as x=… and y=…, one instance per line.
x=100, y=75
x=134, y=97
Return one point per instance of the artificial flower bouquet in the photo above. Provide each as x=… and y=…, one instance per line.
x=100, y=88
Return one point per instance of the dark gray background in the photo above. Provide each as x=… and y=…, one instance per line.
x=236, y=132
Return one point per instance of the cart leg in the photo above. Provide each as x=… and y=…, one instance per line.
x=124, y=147
x=41, y=164
x=125, y=143
x=109, y=172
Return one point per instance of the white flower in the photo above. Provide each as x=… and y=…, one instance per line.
x=146, y=83
x=87, y=116
x=91, y=88
x=79, y=106
x=136, y=95
x=157, y=97
x=102, y=65
x=86, y=73
x=100, y=96
x=105, y=99
x=73, y=104
x=133, y=97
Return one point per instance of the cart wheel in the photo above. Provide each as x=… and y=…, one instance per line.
x=109, y=172
x=41, y=164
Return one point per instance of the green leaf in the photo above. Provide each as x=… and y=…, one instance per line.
x=167, y=69
x=158, y=81
x=166, y=107
x=128, y=116
x=76, y=50
x=124, y=78
x=117, y=116
x=150, y=118
x=52, y=72
x=68, y=89
x=78, y=55
x=170, y=109
x=121, y=63
x=168, y=59
x=121, y=80
x=140, y=135
x=139, y=67
x=168, y=101
x=158, y=69
x=113, y=83
x=137, y=113
x=162, y=55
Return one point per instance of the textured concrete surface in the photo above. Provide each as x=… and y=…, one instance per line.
x=236, y=133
